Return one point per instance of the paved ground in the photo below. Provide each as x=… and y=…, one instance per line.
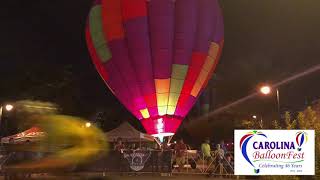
x=144, y=177
x=170, y=178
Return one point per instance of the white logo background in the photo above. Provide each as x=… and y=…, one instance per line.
x=292, y=166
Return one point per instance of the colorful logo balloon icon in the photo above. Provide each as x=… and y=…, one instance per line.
x=301, y=138
x=243, y=146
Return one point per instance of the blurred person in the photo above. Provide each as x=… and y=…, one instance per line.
x=143, y=146
x=119, y=159
x=180, y=150
x=219, y=154
x=172, y=145
x=156, y=157
x=119, y=146
x=67, y=143
x=133, y=146
x=166, y=158
x=206, y=151
x=223, y=146
x=213, y=146
x=229, y=159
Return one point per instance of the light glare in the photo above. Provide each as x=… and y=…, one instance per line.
x=265, y=90
x=9, y=107
x=88, y=124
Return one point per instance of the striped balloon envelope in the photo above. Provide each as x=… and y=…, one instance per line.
x=156, y=56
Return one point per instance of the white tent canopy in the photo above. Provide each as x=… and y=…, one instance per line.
x=32, y=134
x=128, y=133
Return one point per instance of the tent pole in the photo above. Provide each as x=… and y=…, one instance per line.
x=157, y=141
x=170, y=138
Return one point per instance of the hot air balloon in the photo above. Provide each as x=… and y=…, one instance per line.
x=156, y=56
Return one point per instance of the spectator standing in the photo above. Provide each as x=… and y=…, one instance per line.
x=119, y=160
x=119, y=145
x=206, y=151
x=180, y=150
x=223, y=146
x=166, y=158
x=219, y=154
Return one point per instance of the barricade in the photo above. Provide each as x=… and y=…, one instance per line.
x=157, y=161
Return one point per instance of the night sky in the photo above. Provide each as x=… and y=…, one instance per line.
x=265, y=41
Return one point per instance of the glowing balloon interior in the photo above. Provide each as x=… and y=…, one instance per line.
x=156, y=56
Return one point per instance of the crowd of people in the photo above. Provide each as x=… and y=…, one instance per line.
x=210, y=154
x=165, y=157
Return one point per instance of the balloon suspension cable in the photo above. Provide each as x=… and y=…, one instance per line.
x=169, y=139
x=157, y=141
